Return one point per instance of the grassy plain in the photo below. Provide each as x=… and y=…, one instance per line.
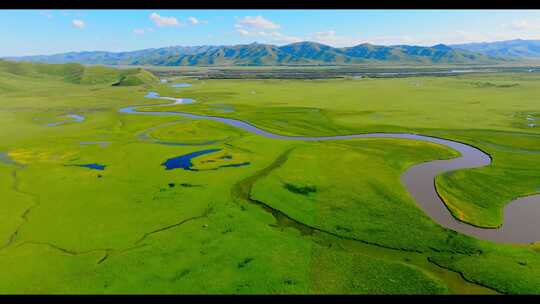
x=492, y=112
x=303, y=217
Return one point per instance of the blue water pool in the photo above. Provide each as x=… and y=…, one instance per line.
x=184, y=161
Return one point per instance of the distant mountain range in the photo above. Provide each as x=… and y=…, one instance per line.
x=523, y=49
x=301, y=53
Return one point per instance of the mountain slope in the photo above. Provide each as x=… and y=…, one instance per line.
x=511, y=48
x=316, y=52
x=255, y=54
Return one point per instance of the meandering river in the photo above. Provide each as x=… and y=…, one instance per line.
x=521, y=216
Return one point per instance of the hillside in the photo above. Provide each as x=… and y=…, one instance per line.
x=78, y=73
x=526, y=49
x=255, y=54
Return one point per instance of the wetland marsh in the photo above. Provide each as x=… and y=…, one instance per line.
x=331, y=201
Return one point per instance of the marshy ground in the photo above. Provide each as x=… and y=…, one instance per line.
x=302, y=217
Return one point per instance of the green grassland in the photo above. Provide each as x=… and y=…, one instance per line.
x=302, y=217
x=491, y=117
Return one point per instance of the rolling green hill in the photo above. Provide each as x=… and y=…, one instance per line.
x=78, y=73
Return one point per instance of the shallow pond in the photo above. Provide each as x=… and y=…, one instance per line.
x=181, y=85
x=75, y=118
x=184, y=161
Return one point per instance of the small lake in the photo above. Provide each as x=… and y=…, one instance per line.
x=184, y=161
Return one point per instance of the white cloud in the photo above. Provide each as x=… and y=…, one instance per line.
x=243, y=32
x=78, y=23
x=164, y=21
x=264, y=29
x=195, y=21
x=257, y=22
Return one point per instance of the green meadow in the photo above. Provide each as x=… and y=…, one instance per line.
x=326, y=217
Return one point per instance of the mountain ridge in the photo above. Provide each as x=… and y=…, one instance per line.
x=516, y=48
x=258, y=54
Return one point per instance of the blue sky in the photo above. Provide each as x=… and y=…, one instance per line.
x=32, y=32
